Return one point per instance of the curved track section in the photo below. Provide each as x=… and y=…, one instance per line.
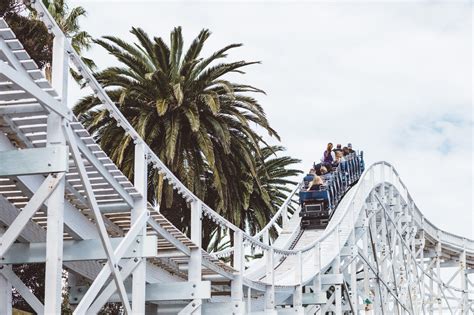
x=63, y=202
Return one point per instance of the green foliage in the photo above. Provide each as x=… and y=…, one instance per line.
x=198, y=122
x=32, y=33
x=35, y=37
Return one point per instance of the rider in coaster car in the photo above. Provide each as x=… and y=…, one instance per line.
x=346, y=151
x=320, y=169
x=328, y=155
x=339, y=158
x=349, y=146
x=316, y=183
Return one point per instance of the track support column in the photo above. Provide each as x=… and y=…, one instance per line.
x=195, y=260
x=55, y=219
x=5, y=291
x=298, y=294
x=270, y=288
x=140, y=204
x=237, y=292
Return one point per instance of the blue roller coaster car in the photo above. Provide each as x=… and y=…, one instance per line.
x=318, y=206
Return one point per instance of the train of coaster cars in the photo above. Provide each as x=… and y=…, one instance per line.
x=317, y=206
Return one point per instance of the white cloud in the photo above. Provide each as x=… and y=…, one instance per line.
x=392, y=78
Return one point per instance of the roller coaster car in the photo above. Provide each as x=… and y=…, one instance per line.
x=315, y=211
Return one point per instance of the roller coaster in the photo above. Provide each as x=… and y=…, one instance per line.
x=63, y=202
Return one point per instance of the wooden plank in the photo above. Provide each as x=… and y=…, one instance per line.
x=34, y=161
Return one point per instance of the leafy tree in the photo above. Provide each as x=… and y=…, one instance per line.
x=276, y=176
x=35, y=37
x=196, y=120
x=32, y=33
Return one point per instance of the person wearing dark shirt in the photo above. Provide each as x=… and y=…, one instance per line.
x=338, y=148
x=349, y=146
x=346, y=151
x=328, y=155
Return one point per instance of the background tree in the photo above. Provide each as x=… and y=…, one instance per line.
x=197, y=121
x=35, y=37
x=276, y=175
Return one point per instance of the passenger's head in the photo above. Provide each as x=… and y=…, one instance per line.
x=329, y=148
x=338, y=154
x=312, y=171
x=318, y=180
x=338, y=146
x=345, y=151
x=349, y=145
x=323, y=170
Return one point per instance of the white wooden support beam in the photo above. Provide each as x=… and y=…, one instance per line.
x=42, y=97
x=103, y=275
x=284, y=217
x=55, y=218
x=193, y=307
x=270, y=287
x=7, y=273
x=55, y=137
x=127, y=268
x=155, y=292
x=237, y=290
x=298, y=293
x=92, y=249
x=140, y=206
x=5, y=291
x=44, y=192
x=195, y=260
x=51, y=159
x=464, y=283
x=6, y=294
x=101, y=168
x=22, y=109
x=112, y=261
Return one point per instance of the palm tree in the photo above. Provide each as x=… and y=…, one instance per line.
x=68, y=21
x=276, y=178
x=196, y=120
x=275, y=174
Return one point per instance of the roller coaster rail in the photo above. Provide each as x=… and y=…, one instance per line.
x=64, y=203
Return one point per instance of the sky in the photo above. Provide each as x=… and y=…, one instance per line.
x=394, y=78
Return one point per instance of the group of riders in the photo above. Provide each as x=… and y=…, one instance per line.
x=330, y=160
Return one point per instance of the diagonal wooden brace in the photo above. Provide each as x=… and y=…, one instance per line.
x=112, y=260
x=25, y=292
x=103, y=275
x=38, y=199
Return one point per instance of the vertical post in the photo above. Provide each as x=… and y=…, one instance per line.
x=5, y=294
x=338, y=293
x=270, y=287
x=465, y=294
x=365, y=250
x=249, y=300
x=55, y=219
x=317, y=266
x=284, y=216
x=438, y=276
x=5, y=290
x=298, y=294
x=422, y=263
x=195, y=260
x=353, y=294
x=237, y=293
x=139, y=207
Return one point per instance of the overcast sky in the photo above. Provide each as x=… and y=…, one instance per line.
x=393, y=78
